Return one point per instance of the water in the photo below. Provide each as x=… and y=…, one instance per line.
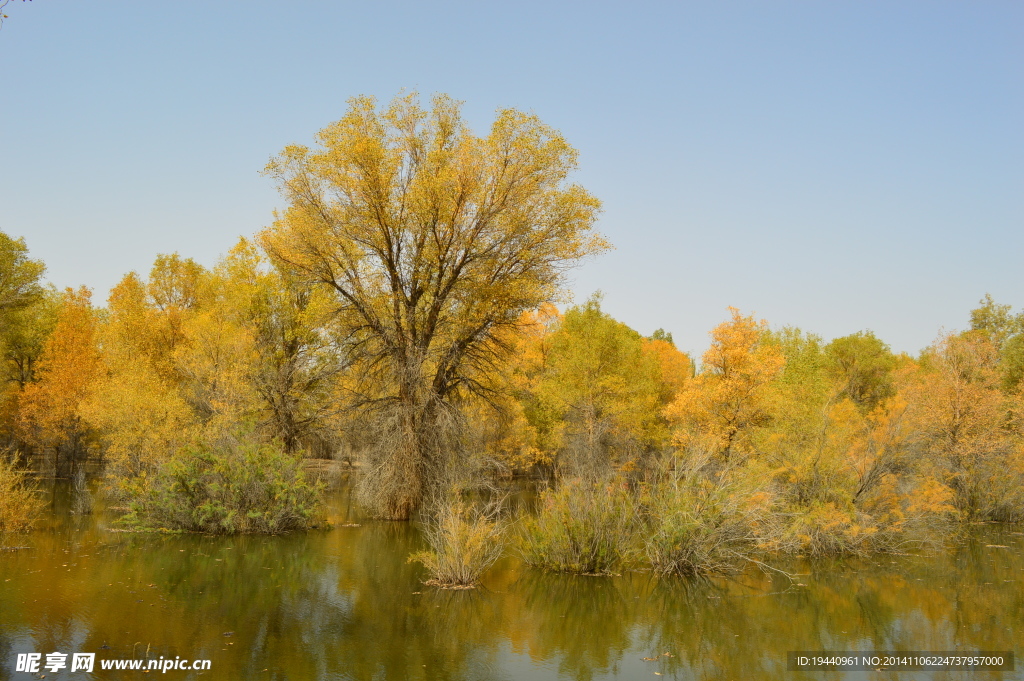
x=345, y=604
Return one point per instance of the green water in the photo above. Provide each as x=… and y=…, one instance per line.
x=345, y=604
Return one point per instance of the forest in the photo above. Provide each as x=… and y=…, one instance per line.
x=405, y=313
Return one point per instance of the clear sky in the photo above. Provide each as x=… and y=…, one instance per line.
x=836, y=166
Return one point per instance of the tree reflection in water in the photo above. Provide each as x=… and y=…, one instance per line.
x=346, y=604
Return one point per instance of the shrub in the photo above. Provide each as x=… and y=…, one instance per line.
x=995, y=487
x=235, y=489
x=696, y=525
x=895, y=516
x=19, y=505
x=464, y=541
x=586, y=528
x=831, y=529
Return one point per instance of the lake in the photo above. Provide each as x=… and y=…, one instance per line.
x=346, y=604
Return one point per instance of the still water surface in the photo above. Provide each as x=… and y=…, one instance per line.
x=345, y=604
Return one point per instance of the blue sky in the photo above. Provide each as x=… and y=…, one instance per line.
x=836, y=166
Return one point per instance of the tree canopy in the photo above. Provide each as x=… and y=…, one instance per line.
x=434, y=242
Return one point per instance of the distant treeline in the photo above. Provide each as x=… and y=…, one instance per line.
x=190, y=356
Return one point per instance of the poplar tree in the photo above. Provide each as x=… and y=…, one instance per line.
x=433, y=241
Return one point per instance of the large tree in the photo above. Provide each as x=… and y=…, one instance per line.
x=434, y=241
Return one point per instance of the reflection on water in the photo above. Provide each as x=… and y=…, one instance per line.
x=345, y=604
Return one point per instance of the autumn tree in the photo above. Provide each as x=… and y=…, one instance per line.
x=597, y=399
x=801, y=394
x=515, y=433
x=862, y=366
x=27, y=315
x=996, y=320
x=22, y=310
x=963, y=417
x=140, y=405
x=51, y=417
x=296, y=360
x=19, y=275
x=675, y=366
x=731, y=395
x=433, y=242
x=1006, y=331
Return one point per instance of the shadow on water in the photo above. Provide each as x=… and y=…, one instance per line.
x=345, y=603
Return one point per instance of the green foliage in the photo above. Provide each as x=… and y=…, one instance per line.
x=464, y=541
x=663, y=335
x=19, y=275
x=582, y=527
x=1006, y=331
x=1013, y=363
x=805, y=355
x=697, y=524
x=996, y=320
x=600, y=392
x=233, y=489
x=862, y=365
x=801, y=391
x=23, y=334
x=27, y=316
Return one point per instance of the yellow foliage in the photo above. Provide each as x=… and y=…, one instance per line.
x=215, y=363
x=67, y=371
x=143, y=421
x=964, y=420
x=19, y=504
x=595, y=398
x=464, y=541
x=931, y=497
x=730, y=396
x=676, y=368
x=432, y=243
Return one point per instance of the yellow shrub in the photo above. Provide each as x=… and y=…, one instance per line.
x=19, y=505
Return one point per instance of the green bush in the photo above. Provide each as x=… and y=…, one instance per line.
x=464, y=541
x=697, y=526
x=241, y=489
x=585, y=528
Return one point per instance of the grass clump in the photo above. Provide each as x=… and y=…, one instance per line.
x=584, y=528
x=465, y=540
x=19, y=505
x=245, y=488
x=695, y=525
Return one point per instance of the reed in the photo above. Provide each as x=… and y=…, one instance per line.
x=582, y=527
x=465, y=540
